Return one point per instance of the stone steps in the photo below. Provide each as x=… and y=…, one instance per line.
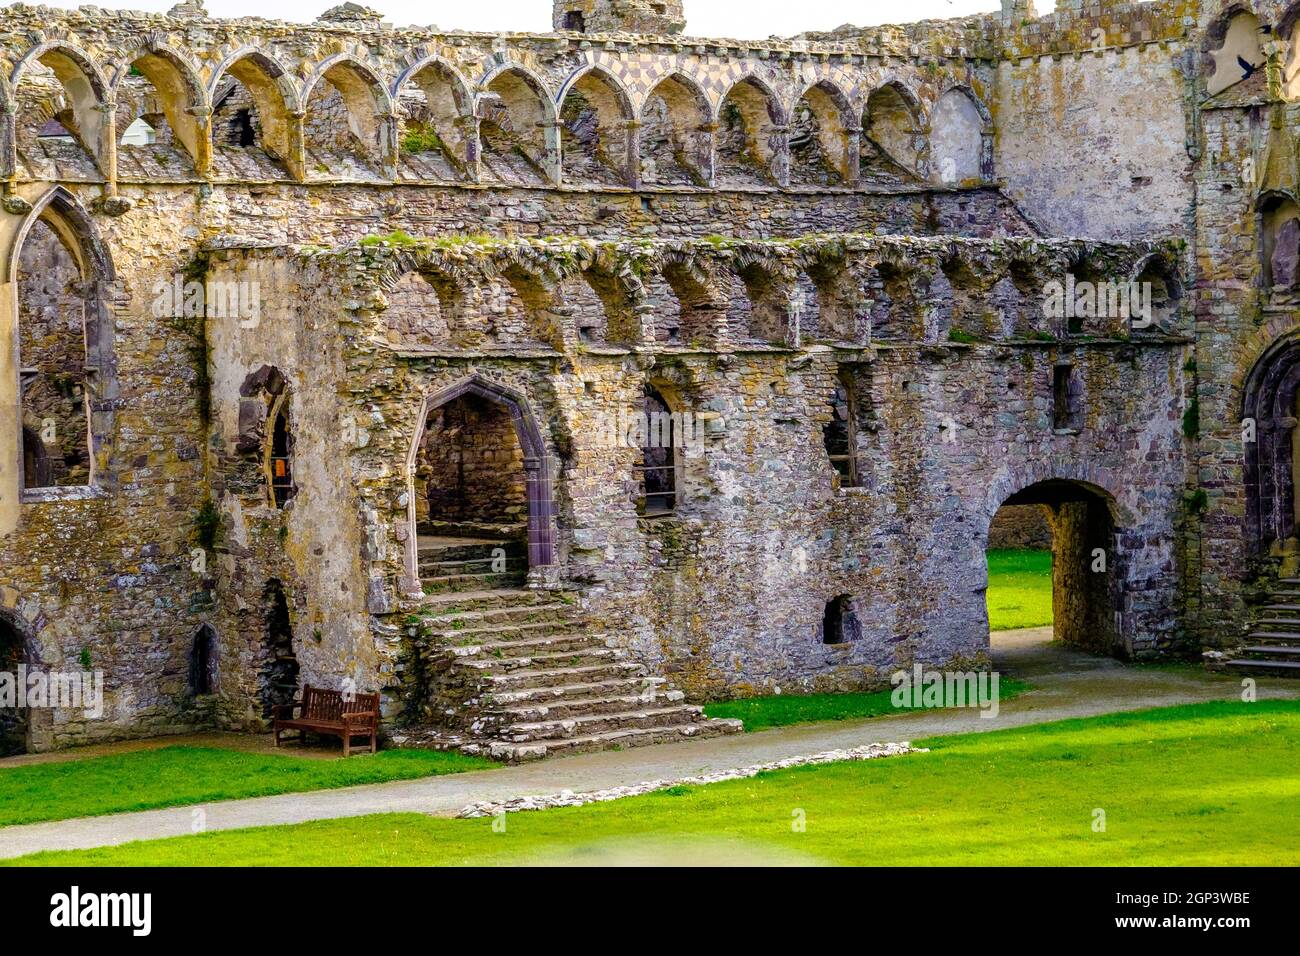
x=589, y=725
x=488, y=599
x=527, y=647
x=565, y=708
x=540, y=696
x=529, y=614
x=543, y=662
x=554, y=677
x=535, y=681
x=611, y=740
x=1273, y=646
x=459, y=583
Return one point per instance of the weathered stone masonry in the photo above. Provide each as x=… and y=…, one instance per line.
x=749, y=229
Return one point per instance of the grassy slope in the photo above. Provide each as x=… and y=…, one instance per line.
x=176, y=776
x=759, y=713
x=1020, y=589
x=1205, y=784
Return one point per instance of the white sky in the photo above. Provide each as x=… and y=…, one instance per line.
x=741, y=19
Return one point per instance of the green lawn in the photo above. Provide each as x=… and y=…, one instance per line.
x=1020, y=588
x=1209, y=784
x=176, y=776
x=781, y=710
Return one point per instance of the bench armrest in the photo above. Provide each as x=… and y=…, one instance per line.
x=361, y=715
x=285, y=711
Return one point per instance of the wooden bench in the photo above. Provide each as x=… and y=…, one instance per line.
x=327, y=712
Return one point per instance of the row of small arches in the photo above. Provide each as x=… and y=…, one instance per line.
x=431, y=124
x=677, y=303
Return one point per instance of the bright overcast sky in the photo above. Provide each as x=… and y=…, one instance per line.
x=741, y=19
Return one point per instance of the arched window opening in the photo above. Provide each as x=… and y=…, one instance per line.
x=157, y=131
x=436, y=139
x=342, y=130
x=250, y=123
x=889, y=144
x=956, y=140
x=242, y=131
x=53, y=361
x=1237, y=55
x=839, y=622
x=279, y=464
x=818, y=141
x=658, y=466
x=13, y=720
x=747, y=125
x=61, y=129
x=279, y=672
x=203, y=662
x=594, y=133
x=840, y=434
x=574, y=21
x=513, y=132
x=1067, y=399
x=1280, y=227
x=675, y=139
x=1162, y=293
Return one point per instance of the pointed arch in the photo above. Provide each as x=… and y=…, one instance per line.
x=74, y=228
x=87, y=91
x=676, y=137
x=961, y=138
x=893, y=121
x=182, y=95
x=596, y=118
x=438, y=137
x=518, y=119
x=537, y=466
x=750, y=151
x=274, y=96
x=370, y=135
x=820, y=125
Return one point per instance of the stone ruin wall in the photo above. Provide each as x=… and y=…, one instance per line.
x=128, y=592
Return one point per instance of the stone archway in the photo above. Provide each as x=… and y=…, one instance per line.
x=1087, y=566
x=1271, y=406
x=14, y=720
x=536, y=464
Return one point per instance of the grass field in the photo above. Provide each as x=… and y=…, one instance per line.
x=177, y=776
x=782, y=710
x=1020, y=589
x=1209, y=784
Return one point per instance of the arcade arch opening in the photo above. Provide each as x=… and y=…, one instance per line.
x=1051, y=555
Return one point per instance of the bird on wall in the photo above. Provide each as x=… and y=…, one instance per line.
x=1239, y=58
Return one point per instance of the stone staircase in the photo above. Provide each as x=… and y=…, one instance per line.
x=515, y=674
x=1273, y=646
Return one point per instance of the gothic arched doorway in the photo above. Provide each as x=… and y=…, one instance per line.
x=478, y=470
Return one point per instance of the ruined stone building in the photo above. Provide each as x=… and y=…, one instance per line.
x=553, y=384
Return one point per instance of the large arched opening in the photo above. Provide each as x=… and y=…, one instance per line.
x=13, y=718
x=1053, y=567
x=480, y=503
x=1270, y=400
